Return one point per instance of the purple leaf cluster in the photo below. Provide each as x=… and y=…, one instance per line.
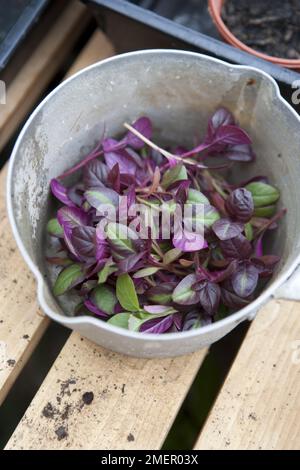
x=157, y=285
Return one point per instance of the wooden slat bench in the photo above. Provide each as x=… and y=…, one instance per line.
x=96, y=399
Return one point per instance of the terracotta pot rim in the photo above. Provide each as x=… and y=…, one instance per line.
x=215, y=7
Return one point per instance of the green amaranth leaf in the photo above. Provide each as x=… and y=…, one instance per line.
x=266, y=211
x=171, y=255
x=120, y=320
x=120, y=239
x=263, y=194
x=177, y=173
x=108, y=269
x=183, y=293
x=205, y=218
x=126, y=293
x=68, y=278
x=197, y=196
x=145, y=272
x=102, y=196
x=105, y=298
x=249, y=231
x=54, y=228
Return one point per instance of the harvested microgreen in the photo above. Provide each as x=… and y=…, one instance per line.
x=157, y=240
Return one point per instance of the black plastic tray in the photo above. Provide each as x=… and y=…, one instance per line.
x=16, y=19
x=133, y=27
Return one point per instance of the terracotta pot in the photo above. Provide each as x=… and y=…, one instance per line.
x=215, y=9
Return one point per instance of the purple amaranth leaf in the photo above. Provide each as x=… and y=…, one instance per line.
x=225, y=229
x=75, y=193
x=72, y=217
x=121, y=240
x=221, y=117
x=265, y=265
x=113, y=178
x=93, y=269
x=94, y=309
x=239, y=153
x=178, y=321
x=144, y=126
x=157, y=325
x=182, y=191
x=185, y=239
x=244, y=279
x=95, y=175
x=110, y=145
x=222, y=275
x=69, y=218
x=221, y=133
x=188, y=241
x=128, y=180
x=230, y=135
x=239, y=205
x=236, y=248
x=83, y=239
x=126, y=163
x=161, y=293
x=61, y=193
x=224, y=136
x=259, y=246
x=130, y=194
x=191, y=321
x=209, y=296
x=184, y=294
x=102, y=248
x=158, y=309
x=232, y=300
x=135, y=157
x=101, y=198
x=130, y=263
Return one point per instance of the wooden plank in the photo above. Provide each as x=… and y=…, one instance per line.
x=21, y=322
x=38, y=71
x=259, y=405
x=133, y=401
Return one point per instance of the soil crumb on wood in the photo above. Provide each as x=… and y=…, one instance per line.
x=11, y=362
x=269, y=26
x=87, y=398
x=130, y=437
x=61, y=433
x=49, y=411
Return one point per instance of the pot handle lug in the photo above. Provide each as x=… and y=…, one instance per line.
x=290, y=290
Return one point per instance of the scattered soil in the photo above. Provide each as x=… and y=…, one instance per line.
x=269, y=26
x=130, y=437
x=11, y=362
x=87, y=398
x=49, y=411
x=61, y=433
